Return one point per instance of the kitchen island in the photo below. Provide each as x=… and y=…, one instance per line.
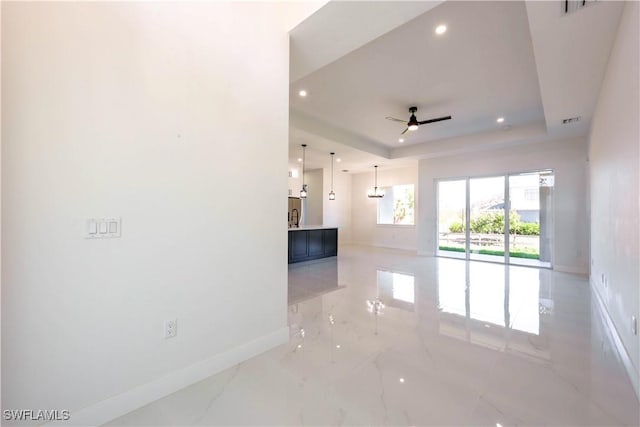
x=312, y=242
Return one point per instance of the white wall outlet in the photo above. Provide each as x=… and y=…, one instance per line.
x=170, y=328
x=634, y=325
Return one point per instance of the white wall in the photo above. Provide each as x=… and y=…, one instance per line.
x=614, y=180
x=365, y=210
x=337, y=213
x=312, y=206
x=295, y=182
x=568, y=159
x=129, y=109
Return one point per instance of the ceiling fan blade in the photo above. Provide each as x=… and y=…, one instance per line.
x=439, y=119
x=395, y=120
x=405, y=131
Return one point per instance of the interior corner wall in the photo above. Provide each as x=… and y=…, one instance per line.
x=129, y=110
x=337, y=213
x=614, y=155
x=364, y=216
x=568, y=159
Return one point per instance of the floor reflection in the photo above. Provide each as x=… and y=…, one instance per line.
x=381, y=337
x=494, y=305
x=312, y=278
x=396, y=289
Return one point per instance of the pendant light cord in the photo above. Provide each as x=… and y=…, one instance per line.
x=376, y=183
x=304, y=148
x=332, y=154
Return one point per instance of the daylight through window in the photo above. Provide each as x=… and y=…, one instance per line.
x=397, y=206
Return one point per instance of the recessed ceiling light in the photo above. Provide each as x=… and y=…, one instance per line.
x=299, y=159
x=338, y=346
x=500, y=119
x=441, y=29
x=338, y=160
x=302, y=93
x=401, y=380
x=401, y=140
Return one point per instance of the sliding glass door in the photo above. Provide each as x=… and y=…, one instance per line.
x=506, y=218
x=486, y=204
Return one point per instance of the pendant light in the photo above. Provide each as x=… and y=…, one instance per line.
x=332, y=195
x=376, y=192
x=303, y=192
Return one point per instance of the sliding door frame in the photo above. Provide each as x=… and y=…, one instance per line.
x=507, y=210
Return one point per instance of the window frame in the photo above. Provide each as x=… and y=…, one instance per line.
x=389, y=191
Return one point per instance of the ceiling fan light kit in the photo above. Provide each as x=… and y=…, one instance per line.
x=413, y=122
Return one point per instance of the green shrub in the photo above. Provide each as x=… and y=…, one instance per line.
x=456, y=227
x=528, y=229
x=493, y=222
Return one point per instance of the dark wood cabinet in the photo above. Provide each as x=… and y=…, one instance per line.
x=298, y=245
x=306, y=245
x=316, y=246
x=330, y=238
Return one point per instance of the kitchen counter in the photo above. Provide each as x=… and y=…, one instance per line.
x=312, y=242
x=312, y=227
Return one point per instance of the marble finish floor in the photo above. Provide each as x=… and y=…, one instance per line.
x=382, y=337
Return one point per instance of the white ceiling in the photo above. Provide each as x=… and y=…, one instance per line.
x=351, y=159
x=571, y=53
x=339, y=36
x=526, y=62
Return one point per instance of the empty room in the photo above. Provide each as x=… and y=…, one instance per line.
x=461, y=183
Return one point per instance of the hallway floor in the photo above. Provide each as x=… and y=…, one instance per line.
x=381, y=337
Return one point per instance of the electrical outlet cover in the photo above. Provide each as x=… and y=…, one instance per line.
x=170, y=328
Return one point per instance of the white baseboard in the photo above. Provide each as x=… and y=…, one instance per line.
x=372, y=245
x=632, y=373
x=116, y=406
x=571, y=269
x=398, y=248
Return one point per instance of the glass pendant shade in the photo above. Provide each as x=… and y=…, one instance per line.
x=375, y=192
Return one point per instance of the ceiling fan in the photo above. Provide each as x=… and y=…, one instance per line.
x=413, y=123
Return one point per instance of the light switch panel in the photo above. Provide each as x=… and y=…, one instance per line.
x=103, y=228
x=92, y=227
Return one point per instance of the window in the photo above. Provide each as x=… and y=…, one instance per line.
x=531, y=194
x=397, y=206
